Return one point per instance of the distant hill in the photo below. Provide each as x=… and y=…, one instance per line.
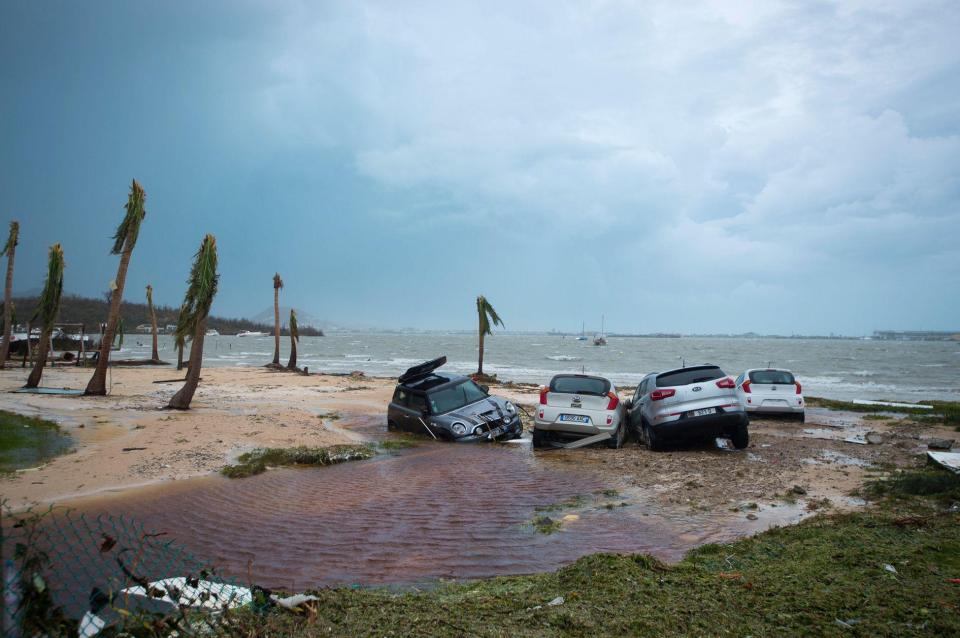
x=91, y=312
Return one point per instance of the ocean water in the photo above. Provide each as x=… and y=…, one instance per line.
x=837, y=369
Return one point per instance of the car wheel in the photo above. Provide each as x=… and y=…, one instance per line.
x=538, y=439
x=616, y=441
x=741, y=437
x=391, y=426
x=803, y=417
x=653, y=442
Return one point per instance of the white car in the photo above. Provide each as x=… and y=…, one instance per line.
x=698, y=402
x=770, y=391
x=575, y=406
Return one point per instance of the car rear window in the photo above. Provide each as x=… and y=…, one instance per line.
x=687, y=376
x=775, y=377
x=580, y=385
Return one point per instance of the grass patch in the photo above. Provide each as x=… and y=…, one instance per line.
x=545, y=525
x=26, y=442
x=937, y=484
x=574, y=501
x=258, y=461
x=798, y=580
x=876, y=417
x=329, y=416
x=400, y=443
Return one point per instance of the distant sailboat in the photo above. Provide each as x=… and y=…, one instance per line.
x=583, y=330
x=601, y=339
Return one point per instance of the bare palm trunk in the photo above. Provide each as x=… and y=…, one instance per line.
x=276, y=327
x=98, y=382
x=8, y=308
x=180, y=357
x=292, y=364
x=181, y=400
x=480, y=364
x=42, y=349
x=153, y=325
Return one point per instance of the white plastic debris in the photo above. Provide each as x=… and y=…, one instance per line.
x=90, y=625
x=556, y=601
x=949, y=460
x=206, y=595
x=890, y=568
x=292, y=602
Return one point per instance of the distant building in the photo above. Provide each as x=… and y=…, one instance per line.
x=916, y=335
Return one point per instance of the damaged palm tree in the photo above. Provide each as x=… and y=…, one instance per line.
x=155, y=353
x=277, y=285
x=47, y=309
x=123, y=242
x=9, y=250
x=294, y=337
x=488, y=318
x=201, y=289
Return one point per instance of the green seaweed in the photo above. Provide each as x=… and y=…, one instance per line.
x=27, y=442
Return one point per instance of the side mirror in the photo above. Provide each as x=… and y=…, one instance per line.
x=485, y=388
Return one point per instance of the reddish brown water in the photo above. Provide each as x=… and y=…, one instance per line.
x=434, y=511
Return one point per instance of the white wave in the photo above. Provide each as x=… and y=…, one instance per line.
x=564, y=357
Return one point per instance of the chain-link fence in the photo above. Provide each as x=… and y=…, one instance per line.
x=67, y=574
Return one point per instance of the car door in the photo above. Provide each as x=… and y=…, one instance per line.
x=416, y=404
x=636, y=409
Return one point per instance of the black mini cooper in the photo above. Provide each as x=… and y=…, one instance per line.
x=450, y=407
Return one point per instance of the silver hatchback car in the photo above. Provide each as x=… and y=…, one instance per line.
x=576, y=406
x=698, y=402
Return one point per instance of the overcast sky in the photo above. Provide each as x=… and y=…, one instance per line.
x=689, y=167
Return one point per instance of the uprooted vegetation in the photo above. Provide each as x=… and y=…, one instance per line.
x=885, y=571
x=259, y=460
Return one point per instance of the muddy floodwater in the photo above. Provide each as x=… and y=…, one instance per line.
x=414, y=516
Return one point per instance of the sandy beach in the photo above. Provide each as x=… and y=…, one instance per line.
x=127, y=440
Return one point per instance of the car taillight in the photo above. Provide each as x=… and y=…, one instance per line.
x=614, y=401
x=660, y=394
x=797, y=383
x=746, y=386
x=543, y=396
x=726, y=382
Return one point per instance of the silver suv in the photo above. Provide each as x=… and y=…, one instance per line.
x=699, y=402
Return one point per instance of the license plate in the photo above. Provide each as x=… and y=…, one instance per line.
x=574, y=418
x=703, y=412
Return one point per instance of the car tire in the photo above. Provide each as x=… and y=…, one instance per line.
x=653, y=442
x=616, y=442
x=741, y=437
x=803, y=417
x=539, y=439
x=391, y=426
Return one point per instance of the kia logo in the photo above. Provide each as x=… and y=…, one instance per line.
x=697, y=389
